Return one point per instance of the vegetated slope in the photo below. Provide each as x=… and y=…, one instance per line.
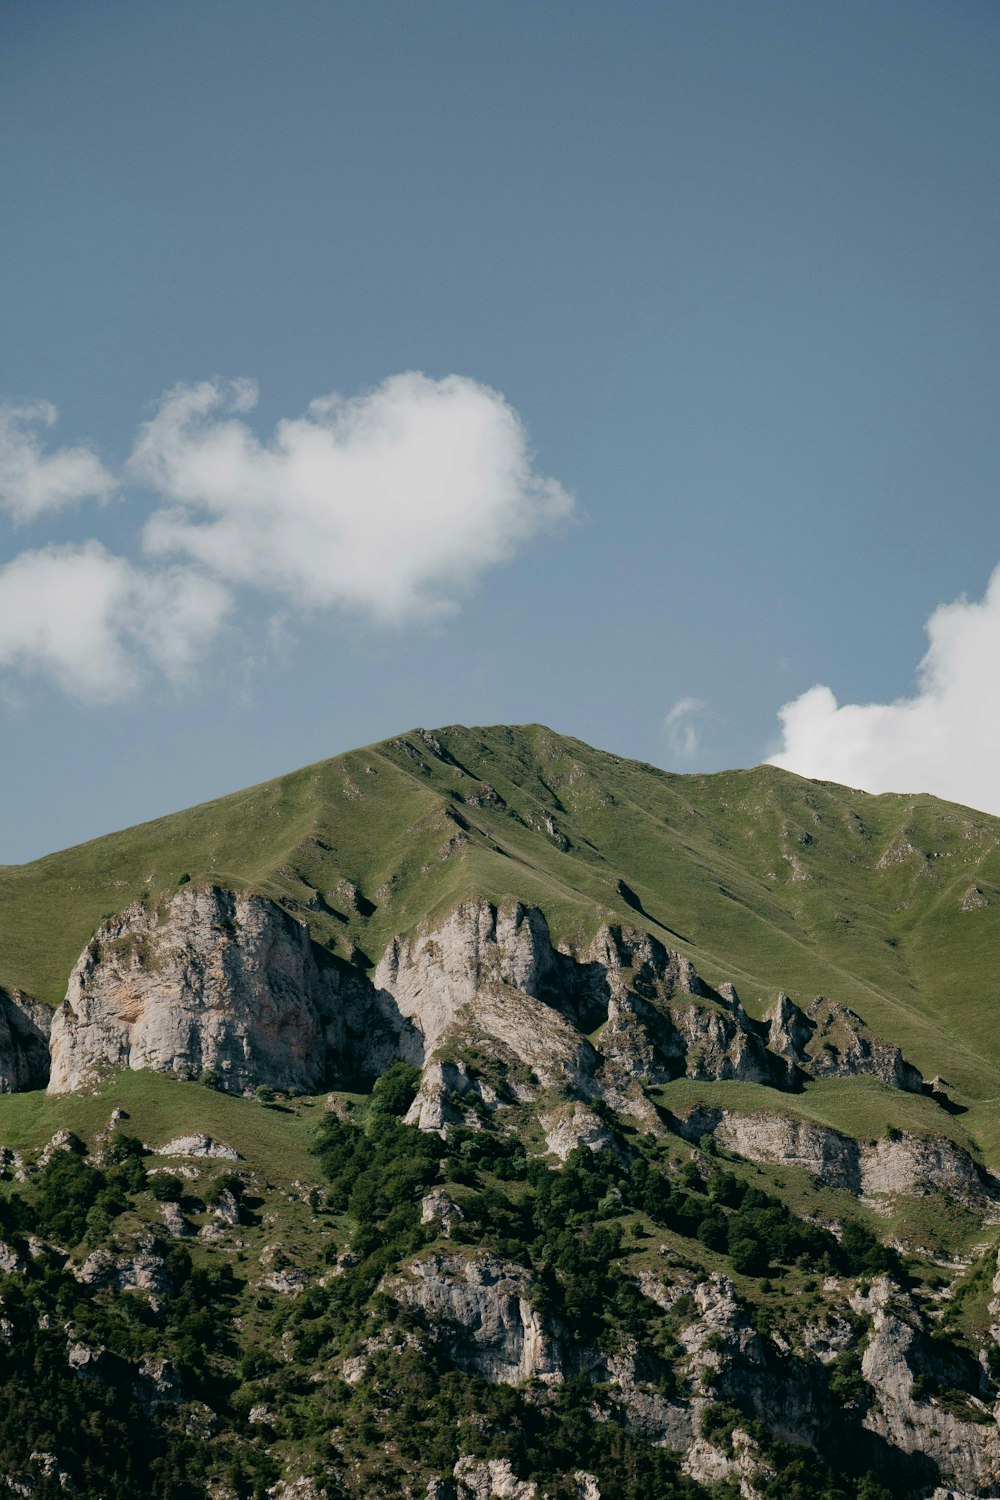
x=546, y=1267
x=889, y=904
x=304, y=1297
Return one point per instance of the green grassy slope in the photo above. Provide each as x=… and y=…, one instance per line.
x=760, y=876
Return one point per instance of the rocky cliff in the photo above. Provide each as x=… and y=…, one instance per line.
x=24, y=1042
x=479, y=1311
x=220, y=983
x=903, y=1164
x=212, y=981
x=626, y=1010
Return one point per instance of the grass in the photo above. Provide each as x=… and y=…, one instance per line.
x=273, y=1143
x=759, y=876
x=861, y=1108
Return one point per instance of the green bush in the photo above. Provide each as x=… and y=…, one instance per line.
x=395, y=1090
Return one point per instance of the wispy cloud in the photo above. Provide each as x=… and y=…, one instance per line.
x=682, y=729
x=944, y=739
x=33, y=481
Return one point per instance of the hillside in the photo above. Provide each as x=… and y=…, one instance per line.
x=890, y=905
x=481, y=1116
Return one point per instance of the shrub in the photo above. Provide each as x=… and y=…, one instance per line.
x=395, y=1090
x=166, y=1187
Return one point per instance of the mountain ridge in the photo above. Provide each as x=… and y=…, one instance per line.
x=522, y=1197
x=763, y=877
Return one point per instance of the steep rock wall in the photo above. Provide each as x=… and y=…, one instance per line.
x=492, y=977
x=212, y=980
x=481, y=1311
x=216, y=981
x=24, y=1042
x=221, y=982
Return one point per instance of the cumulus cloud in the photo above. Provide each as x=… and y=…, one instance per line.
x=32, y=481
x=391, y=503
x=944, y=739
x=93, y=623
x=683, y=733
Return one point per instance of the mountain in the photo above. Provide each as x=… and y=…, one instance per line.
x=478, y=1113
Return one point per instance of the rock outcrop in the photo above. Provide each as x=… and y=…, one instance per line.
x=481, y=1311
x=491, y=1479
x=229, y=984
x=903, y=1164
x=842, y=1046
x=221, y=983
x=491, y=978
x=24, y=1042
x=214, y=982
x=493, y=974
x=965, y=1451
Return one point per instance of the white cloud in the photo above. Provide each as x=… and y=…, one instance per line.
x=391, y=503
x=683, y=734
x=93, y=622
x=944, y=739
x=31, y=481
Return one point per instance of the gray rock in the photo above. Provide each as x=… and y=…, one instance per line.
x=216, y=981
x=482, y=1313
x=197, y=1145
x=437, y=1207
x=174, y=1221
x=224, y=983
x=842, y=1046
x=491, y=1479
x=24, y=1042
x=141, y=1272
x=906, y=1165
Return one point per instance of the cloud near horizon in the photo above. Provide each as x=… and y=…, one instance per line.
x=944, y=739
x=391, y=504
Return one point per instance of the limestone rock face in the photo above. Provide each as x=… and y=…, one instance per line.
x=964, y=1451
x=904, y=1165
x=664, y=1022
x=197, y=1145
x=434, y=975
x=24, y=1042
x=574, y=1126
x=229, y=983
x=436, y=1207
x=789, y=1031
x=481, y=1311
x=491, y=977
x=842, y=1046
x=491, y=1479
x=215, y=981
x=781, y=1140
x=141, y=1272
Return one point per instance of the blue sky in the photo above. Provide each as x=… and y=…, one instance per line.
x=724, y=275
